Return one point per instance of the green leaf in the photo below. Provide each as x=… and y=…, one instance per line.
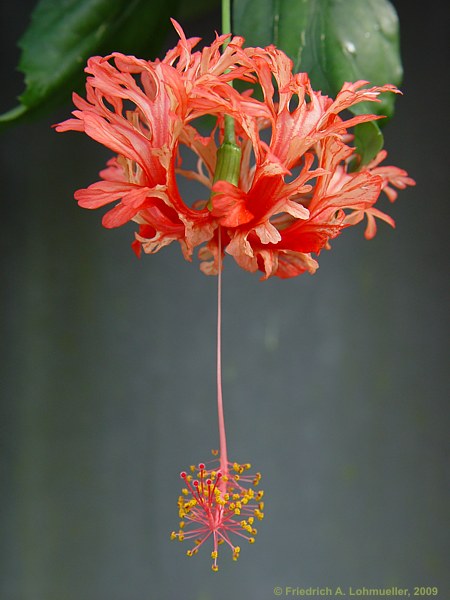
x=368, y=141
x=333, y=41
x=64, y=33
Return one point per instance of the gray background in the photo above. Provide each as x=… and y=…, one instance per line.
x=335, y=385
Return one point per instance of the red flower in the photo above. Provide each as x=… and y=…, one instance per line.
x=294, y=191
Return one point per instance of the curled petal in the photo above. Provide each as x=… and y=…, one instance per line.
x=267, y=233
x=291, y=264
x=392, y=177
x=229, y=205
x=104, y=192
x=370, y=214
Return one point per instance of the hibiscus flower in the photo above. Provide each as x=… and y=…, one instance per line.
x=289, y=189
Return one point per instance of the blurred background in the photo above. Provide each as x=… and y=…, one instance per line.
x=336, y=385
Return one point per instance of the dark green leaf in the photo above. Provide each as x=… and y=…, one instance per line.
x=368, y=141
x=64, y=33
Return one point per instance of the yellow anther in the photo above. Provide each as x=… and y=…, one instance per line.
x=182, y=524
x=237, y=511
x=214, y=554
x=173, y=535
x=214, y=567
x=251, y=540
x=250, y=520
x=259, y=495
x=193, y=468
x=198, y=541
x=180, y=536
x=189, y=553
x=185, y=492
x=261, y=506
x=220, y=541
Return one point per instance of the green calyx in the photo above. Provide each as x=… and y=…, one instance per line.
x=228, y=164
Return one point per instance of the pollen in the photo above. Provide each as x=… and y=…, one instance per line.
x=258, y=514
